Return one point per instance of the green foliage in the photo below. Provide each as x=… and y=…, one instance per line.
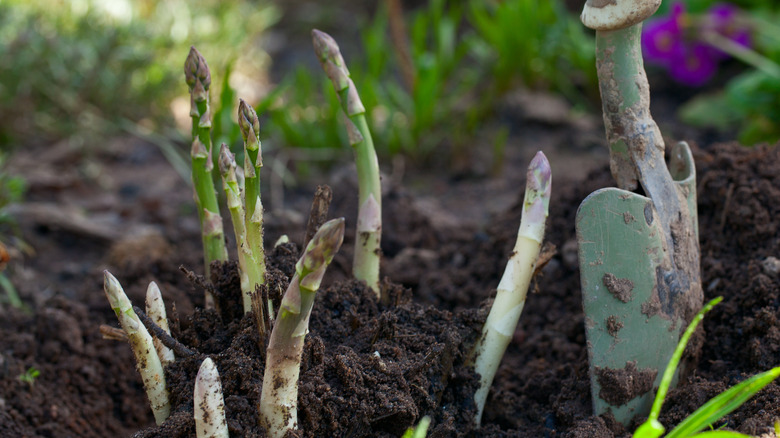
x=749, y=104
x=536, y=44
x=712, y=411
x=29, y=376
x=464, y=56
x=83, y=69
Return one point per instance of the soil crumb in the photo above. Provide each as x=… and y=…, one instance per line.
x=619, y=386
x=620, y=288
x=613, y=325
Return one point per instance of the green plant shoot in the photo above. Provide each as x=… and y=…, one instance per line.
x=715, y=409
x=369, y=224
x=198, y=77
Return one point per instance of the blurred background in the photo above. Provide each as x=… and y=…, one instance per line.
x=454, y=86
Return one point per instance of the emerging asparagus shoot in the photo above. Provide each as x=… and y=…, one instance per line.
x=369, y=224
x=279, y=398
x=146, y=360
x=198, y=77
x=513, y=287
x=210, y=421
x=155, y=309
x=249, y=267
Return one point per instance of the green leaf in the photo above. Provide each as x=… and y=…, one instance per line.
x=420, y=431
x=723, y=404
x=710, y=110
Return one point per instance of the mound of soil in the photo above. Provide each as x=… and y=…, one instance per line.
x=373, y=369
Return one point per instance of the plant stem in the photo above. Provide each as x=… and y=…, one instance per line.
x=279, y=398
x=513, y=288
x=369, y=227
x=247, y=265
x=253, y=206
x=155, y=308
x=146, y=360
x=210, y=421
x=198, y=78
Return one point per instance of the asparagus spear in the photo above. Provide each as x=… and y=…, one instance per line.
x=198, y=77
x=369, y=224
x=155, y=308
x=146, y=360
x=210, y=421
x=513, y=287
x=253, y=206
x=279, y=397
x=249, y=268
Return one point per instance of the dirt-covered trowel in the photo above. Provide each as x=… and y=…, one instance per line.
x=639, y=255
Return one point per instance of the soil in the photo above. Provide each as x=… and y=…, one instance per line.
x=369, y=369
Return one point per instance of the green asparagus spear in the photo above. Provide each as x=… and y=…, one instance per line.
x=279, y=397
x=369, y=225
x=198, y=77
x=249, y=268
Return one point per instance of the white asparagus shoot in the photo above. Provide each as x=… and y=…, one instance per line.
x=155, y=309
x=279, y=397
x=210, y=421
x=513, y=287
x=146, y=360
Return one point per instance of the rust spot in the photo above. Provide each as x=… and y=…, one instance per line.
x=628, y=218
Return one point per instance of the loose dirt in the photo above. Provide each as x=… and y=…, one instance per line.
x=372, y=369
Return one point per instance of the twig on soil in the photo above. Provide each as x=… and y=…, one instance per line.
x=319, y=212
x=726, y=205
x=199, y=280
x=434, y=351
x=262, y=322
x=178, y=348
x=112, y=333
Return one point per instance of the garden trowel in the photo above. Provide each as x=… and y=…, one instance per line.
x=638, y=253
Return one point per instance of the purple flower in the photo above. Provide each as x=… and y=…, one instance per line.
x=662, y=37
x=692, y=64
x=677, y=41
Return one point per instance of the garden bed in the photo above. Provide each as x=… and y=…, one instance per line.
x=441, y=272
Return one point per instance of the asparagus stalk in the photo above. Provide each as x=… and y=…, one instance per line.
x=155, y=309
x=253, y=206
x=198, y=77
x=279, y=397
x=210, y=421
x=365, y=264
x=146, y=360
x=248, y=267
x=513, y=287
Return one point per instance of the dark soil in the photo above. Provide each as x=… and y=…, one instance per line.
x=371, y=369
